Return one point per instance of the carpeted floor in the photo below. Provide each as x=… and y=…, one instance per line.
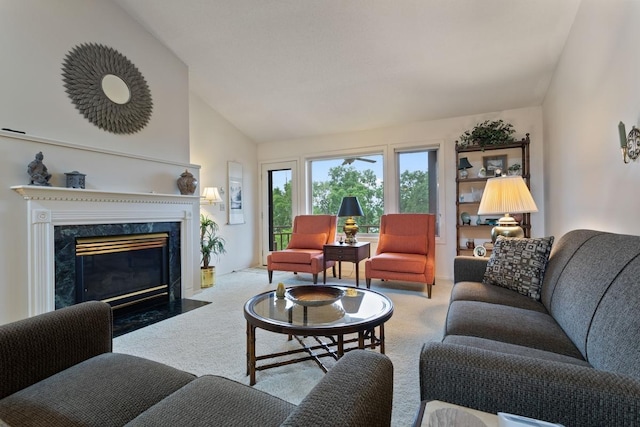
x=212, y=340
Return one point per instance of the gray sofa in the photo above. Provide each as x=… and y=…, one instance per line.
x=57, y=369
x=573, y=357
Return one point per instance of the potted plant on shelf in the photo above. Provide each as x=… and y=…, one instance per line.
x=495, y=132
x=211, y=244
x=515, y=169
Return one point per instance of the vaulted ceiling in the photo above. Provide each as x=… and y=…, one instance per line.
x=283, y=69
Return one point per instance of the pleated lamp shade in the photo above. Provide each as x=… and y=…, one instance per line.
x=506, y=194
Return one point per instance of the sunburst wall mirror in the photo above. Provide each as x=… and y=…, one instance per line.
x=107, y=89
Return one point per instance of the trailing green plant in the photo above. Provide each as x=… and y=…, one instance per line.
x=211, y=243
x=496, y=132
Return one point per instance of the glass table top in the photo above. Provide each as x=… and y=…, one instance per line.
x=354, y=309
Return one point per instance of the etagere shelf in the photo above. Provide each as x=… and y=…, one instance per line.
x=469, y=191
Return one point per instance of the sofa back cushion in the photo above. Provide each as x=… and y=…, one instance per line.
x=591, y=290
x=613, y=343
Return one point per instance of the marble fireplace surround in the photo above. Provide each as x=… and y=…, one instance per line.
x=48, y=207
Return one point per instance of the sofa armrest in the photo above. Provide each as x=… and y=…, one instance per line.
x=494, y=382
x=357, y=391
x=469, y=268
x=38, y=347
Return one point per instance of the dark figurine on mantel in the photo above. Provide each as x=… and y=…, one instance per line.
x=38, y=172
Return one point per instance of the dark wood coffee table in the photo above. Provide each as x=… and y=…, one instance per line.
x=358, y=311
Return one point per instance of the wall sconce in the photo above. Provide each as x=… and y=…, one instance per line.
x=630, y=144
x=211, y=195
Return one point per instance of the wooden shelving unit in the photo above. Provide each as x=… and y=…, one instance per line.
x=472, y=187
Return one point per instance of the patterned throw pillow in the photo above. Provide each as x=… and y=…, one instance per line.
x=519, y=264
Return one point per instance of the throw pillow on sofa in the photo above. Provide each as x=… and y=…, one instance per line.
x=519, y=264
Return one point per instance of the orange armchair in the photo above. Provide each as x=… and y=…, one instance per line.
x=305, y=249
x=406, y=250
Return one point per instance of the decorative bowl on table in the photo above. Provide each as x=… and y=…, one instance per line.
x=314, y=296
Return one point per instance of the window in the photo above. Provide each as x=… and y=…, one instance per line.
x=418, y=181
x=361, y=176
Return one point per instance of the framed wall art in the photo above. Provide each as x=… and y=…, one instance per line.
x=493, y=163
x=236, y=203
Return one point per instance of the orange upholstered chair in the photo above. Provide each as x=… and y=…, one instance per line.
x=406, y=250
x=304, y=252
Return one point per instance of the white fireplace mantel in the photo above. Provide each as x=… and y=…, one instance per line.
x=53, y=206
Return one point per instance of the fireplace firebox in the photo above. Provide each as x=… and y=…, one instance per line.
x=123, y=270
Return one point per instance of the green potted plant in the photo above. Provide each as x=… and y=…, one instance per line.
x=515, y=169
x=211, y=244
x=495, y=132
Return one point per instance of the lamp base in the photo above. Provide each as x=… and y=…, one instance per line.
x=350, y=230
x=507, y=227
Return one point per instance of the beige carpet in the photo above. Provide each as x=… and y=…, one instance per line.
x=212, y=339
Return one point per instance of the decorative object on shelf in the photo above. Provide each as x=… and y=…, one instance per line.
x=211, y=244
x=236, y=206
x=75, y=179
x=494, y=164
x=630, y=144
x=482, y=173
x=187, y=183
x=496, y=132
x=38, y=172
x=107, y=89
x=350, y=207
x=476, y=194
x=478, y=220
x=211, y=195
x=463, y=166
x=471, y=243
x=515, y=169
x=480, y=251
x=506, y=195
x=465, y=218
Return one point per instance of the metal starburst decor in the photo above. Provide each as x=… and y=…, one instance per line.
x=83, y=69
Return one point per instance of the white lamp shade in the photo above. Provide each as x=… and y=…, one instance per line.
x=211, y=194
x=506, y=195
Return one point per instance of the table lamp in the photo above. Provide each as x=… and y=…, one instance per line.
x=506, y=195
x=463, y=166
x=350, y=207
x=211, y=195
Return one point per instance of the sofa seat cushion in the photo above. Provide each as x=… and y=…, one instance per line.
x=476, y=291
x=216, y=401
x=295, y=256
x=518, y=350
x=107, y=390
x=400, y=262
x=510, y=325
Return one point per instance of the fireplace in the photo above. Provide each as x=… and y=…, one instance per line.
x=57, y=217
x=123, y=270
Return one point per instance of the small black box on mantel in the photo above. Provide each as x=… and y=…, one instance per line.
x=75, y=179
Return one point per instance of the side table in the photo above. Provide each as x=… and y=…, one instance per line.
x=355, y=253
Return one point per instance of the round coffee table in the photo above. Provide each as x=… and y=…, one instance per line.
x=316, y=311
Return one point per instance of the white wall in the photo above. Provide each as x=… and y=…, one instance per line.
x=214, y=142
x=525, y=120
x=35, y=37
x=596, y=85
